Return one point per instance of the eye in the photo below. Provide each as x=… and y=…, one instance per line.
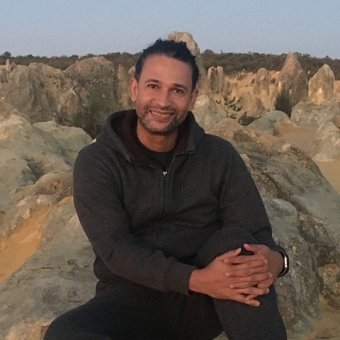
x=178, y=91
x=152, y=86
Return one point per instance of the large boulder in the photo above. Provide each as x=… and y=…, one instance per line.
x=250, y=108
x=98, y=77
x=321, y=85
x=309, y=113
x=56, y=278
x=303, y=209
x=28, y=153
x=194, y=49
x=42, y=93
x=291, y=85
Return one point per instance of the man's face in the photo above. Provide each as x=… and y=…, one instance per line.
x=163, y=95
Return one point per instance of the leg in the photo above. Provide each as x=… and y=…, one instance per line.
x=122, y=311
x=127, y=311
x=240, y=321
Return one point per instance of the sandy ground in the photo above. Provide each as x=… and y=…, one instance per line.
x=22, y=244
x=331, y=170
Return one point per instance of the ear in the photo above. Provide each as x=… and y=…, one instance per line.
x=133, y=89
x=194, y=95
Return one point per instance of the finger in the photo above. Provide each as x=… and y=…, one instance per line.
x=251, y=259
x=255, y=248
x=252, y=291
x=266, y=283
x=248, y=300
x=247, y=273
x=260, y=281
x=251, y=300
x=229, y=254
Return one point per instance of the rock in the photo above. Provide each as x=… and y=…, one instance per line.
x=43, y=93
x=307, y=112
x=194, y=49
x=97, y=76
x=292, y=289
x=57, y=278
x=207, y=112
x=328, y=139
x=291, y=85
x=216, y=79
x=70, y=139
x=251, y=108
x=303, y=209
x=269, y=122
x=261, y=83
x=330, y=275
x=27, y=153
x=321, y=85
x=123, y=87
x=336, y=120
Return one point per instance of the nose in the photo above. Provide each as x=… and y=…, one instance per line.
x=163, y=98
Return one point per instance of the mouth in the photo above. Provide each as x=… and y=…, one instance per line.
x=160, y=114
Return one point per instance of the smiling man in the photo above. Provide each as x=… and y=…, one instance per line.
x=183, y=244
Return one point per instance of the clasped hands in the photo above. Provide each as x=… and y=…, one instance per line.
x=242, y=278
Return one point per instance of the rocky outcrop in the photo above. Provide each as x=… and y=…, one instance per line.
x=291, y=85
x=123, y=87
x=194, y=49
x=97, y=76
x=250, y=108
x=215, y=77
x=303, y=211
x=261, y=83
x=33, y=159
x=42, y=93
x=321, y=85
x=58, y=277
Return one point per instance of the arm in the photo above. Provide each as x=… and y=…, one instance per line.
x=106, y=224
x=242, y=277
x=241, y=205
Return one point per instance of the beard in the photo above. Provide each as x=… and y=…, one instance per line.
x=148, y=123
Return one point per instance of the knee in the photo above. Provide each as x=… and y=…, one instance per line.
x=221, y=241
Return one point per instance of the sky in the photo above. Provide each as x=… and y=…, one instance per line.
x=67, y=27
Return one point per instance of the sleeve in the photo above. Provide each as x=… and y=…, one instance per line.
x=102, y=216
x=241, y=204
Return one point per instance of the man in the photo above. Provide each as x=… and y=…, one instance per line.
x=182, y=242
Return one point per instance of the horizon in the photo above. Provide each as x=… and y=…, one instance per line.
x=66, y=28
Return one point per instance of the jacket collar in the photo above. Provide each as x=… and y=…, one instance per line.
x=120, y=134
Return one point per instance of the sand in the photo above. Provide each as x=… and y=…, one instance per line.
x=331, y=170
x=22, y=244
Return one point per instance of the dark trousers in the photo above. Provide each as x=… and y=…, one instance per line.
x=125, y=310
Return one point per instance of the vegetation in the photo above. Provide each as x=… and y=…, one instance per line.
x=232, y=63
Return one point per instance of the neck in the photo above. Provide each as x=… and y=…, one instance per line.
x=154, y=142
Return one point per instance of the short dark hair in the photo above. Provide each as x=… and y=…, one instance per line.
x=172, y=49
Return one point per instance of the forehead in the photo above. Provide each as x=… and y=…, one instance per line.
x=163, y=68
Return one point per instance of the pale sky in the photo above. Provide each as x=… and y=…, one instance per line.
x=66, y=27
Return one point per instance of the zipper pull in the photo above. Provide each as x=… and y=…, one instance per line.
x=165, y=173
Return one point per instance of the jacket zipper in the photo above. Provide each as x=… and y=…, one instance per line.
x=164, y=180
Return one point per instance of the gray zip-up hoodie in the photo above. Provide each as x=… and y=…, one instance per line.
x=144, y=223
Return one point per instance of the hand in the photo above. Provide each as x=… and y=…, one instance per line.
x=232, y=276
x=273, y=258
